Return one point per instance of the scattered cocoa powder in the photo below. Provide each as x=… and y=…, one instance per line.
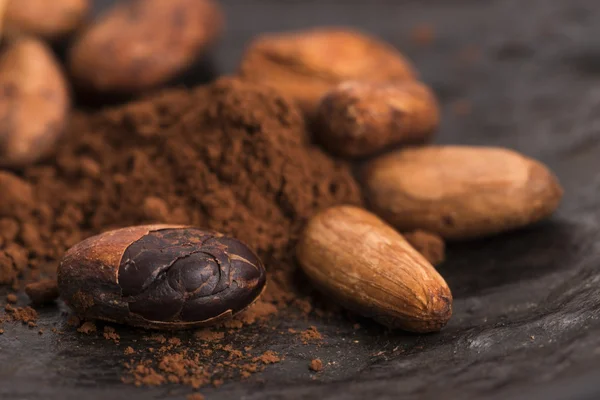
x=311, y=334
x=158, y=338
x=188, y=367
x=22, y=314
x=128, y=351
x=88, y=327
x=259, y=311
x=208, y=335
x=42, y=292
x=9, y=228
x=196, y=368
x=316, y=365
x=217, y=382
x=143, y=375
x=13, y=260
x=111, y=334
x=430, y=245
x=195, y=396
x=268, y=357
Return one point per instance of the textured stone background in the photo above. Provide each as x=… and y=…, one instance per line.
x=526, y=303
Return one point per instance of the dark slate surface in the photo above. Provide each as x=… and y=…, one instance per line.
x=526, y=303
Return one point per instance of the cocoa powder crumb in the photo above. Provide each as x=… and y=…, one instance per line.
x=9, y=229
x=233, y=353
x=22, y=314
x=111, y=334
x=268, y=357
x=157, y=338
x=1, y=331
x=11, y=298
x=208, y=335
x=316, y=365
x=87, y=328
x=31, y=324
x=259, y=311
x=198, y=368
x=146, y=376
x=195, y=396
x=233, y=324
x=42, y=292
x=155, y=209
x=217, y=382
x=311, y=334
x=13, y=260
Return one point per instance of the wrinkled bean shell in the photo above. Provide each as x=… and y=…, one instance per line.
x=160, y=276
x=140, y=44
x=358, y=119
x=357, y=259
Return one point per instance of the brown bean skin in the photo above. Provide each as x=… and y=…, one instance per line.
x=34, y=102
x=358, y=119
x=160, y=277
x=47, y=19
x=141, y=44
x=304, y=65
x=364, y=264
x=460, y=192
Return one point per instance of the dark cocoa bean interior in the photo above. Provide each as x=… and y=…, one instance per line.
x=188, y=275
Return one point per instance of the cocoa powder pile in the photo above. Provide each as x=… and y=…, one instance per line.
x=231, y=156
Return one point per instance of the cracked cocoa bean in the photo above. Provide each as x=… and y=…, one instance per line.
x=160, y=277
